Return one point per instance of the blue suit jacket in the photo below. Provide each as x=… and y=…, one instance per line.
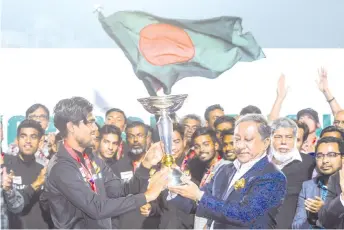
x=309, y=189
x=254, y=206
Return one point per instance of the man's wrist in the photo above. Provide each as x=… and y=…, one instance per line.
x=199, y=195
x=35, y=186
x=146, y=164
x=148, y=198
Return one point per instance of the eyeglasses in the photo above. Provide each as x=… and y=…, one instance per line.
x=329, y=155
x=89, y=123
x=38, y=117
x=133, y=137
x=338, y=122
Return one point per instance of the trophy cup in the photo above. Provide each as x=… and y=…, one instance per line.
x=163, y=106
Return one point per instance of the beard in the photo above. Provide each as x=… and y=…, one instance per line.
x=137, y=151
x=285, y=157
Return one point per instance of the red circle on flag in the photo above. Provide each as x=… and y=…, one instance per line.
x=163, y=44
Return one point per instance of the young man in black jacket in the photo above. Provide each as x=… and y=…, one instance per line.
x=81, y=190
x=28, y=178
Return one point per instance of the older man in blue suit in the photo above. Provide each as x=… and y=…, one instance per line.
x=245, y=194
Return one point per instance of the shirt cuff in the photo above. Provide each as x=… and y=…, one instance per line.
x=341, y=199
x=200, y=196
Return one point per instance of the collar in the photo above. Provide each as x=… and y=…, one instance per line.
x=246, y=166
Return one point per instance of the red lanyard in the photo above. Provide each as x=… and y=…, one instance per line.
x=206, y=178
x=189, y=156
x=85, y=171
x=119, y=151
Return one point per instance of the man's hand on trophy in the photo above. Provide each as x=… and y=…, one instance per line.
x=153, y=155
x=157, y=183
x=188, y=190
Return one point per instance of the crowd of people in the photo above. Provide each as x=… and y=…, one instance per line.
x=248, y=171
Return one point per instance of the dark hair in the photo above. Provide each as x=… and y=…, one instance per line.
x=340, y=143
x=118, y=111
x=30, y=124
x=205, y=131
x=227, y=132
x=73, y=110
x=305, y=128
x=249, y=110
x=210, y=109
x=332, y=128
x=58, y=138
x=178, y=128
x=191, y=117
x=110, y=129
x=224, y=119
x=34, y=107
x=134, y=124
x=309, y=111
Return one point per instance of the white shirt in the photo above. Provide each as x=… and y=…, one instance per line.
x=241, y=170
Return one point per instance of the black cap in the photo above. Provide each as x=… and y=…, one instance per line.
x=308, y=111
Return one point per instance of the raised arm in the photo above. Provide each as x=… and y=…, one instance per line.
x=282, y=91
x=324, y=88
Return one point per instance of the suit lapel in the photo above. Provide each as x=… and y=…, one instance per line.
x=230, y=174
x=250, y=173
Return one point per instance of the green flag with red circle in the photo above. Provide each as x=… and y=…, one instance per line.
x=163, y=51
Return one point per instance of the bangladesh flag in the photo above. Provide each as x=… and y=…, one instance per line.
x=163, y=51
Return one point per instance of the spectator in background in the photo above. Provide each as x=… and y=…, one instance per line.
x=250, y=109
x=223, y=123
x=332, y=131
x=39, y=113
x=302, y=135
x=211, y=114
x=118, y=118
x=313, y=193
x=296, y=166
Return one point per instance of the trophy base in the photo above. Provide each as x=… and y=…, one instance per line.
x=175, y=178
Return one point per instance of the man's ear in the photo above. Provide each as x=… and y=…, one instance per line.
x=267, y=143
x=41, y=142
x=217, y=146
x=70, y=127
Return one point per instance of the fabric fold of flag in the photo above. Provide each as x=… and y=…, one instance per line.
x=163, y=51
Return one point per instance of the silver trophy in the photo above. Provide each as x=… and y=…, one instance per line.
x=163, y=106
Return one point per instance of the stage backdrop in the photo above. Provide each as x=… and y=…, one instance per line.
x=105, y=77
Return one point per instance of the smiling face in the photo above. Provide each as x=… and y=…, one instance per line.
x=28, y=141
x=248, y=143
x=109, y=145
x=228, y=148
x=331, y=160
x=205, y=148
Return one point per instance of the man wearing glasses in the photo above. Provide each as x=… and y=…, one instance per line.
x=39, y=113
x=313, y=194
x=296, y=166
